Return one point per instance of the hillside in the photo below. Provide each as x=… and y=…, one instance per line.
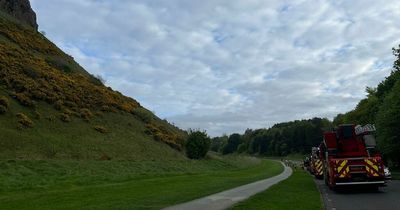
x=50, y=107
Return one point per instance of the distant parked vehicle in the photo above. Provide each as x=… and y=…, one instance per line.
x=316, y=163
x=388, y=175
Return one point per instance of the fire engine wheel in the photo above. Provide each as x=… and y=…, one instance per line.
x=374, y=188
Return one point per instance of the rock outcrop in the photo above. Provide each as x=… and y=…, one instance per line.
x=21, y=10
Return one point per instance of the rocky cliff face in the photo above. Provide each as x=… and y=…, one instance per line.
x=21, y=10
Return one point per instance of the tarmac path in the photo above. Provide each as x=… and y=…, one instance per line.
x=386, y=198
x=228, y=198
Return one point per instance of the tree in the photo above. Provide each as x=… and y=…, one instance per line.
x=388, y=121
x=217, y=143
x=197, y=145
x=233, y=142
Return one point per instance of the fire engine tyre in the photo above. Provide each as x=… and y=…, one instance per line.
x=374, y=188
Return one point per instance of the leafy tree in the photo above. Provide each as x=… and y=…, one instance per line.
x=242, y=148
x=381, y=107
x=233, y=142
x=197, y=145
x=217, y=143
x=388, y=121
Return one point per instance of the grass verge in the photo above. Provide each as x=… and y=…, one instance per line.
x=297, y=192
x=155, y=188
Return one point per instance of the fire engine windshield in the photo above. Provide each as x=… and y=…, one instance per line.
x=347, y=132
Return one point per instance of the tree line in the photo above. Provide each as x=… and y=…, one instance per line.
x=279, y=140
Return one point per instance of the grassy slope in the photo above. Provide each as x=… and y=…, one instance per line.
x=137, y=185
x=77, y=139
x=36, y=70
x=297, y=192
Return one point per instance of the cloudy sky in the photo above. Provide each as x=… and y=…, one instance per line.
x=225, y=65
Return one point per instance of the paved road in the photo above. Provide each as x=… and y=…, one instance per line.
x=387, y=198
x=227, y=198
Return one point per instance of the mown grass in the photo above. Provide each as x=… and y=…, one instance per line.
x=123, y=185
x=297, y=192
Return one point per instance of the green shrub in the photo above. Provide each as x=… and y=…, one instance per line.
x=105, y=157
x=37, y=115
x=242, y=148
x=29, y=71
x=143, y=115
x=197, y=145
x=51, y=118
x=3, y=109
x=24, y=120
x=24, y=99
x=86, y=114
x=100, y=129
x=59, y=63
x=3, y=105
x=4, y=102
x=58, y=105
x=65, y=117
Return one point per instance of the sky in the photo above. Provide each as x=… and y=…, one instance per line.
x=227, y=65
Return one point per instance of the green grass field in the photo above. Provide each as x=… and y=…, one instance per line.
x=297, y=192
x=123, y=184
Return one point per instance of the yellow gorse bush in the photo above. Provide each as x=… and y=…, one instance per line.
x=32, y=69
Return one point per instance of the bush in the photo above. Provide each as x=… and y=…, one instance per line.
x=3, y=105
x=59, y=63
x=24, y=120
x=197, y=145
x=143, y=115
x=233, y=142
x=242, y=148
x=3, y=109
x=24, y=99
x=37, y=115
x=100, y=129
x=4, y=102
x=58, y=105
x=105, y=157
x=86, y=114
x=65, y=117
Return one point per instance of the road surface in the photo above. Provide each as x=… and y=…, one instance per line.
x=227, y=198
x=387, y=198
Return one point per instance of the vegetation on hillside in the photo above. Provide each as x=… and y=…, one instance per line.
x=37, y=74
x=382, y=108
x=197, y=145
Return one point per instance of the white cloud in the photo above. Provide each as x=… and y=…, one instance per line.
x=225, y=66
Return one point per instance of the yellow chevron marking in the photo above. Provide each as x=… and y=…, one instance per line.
x=343, y=164
x=372, y=164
